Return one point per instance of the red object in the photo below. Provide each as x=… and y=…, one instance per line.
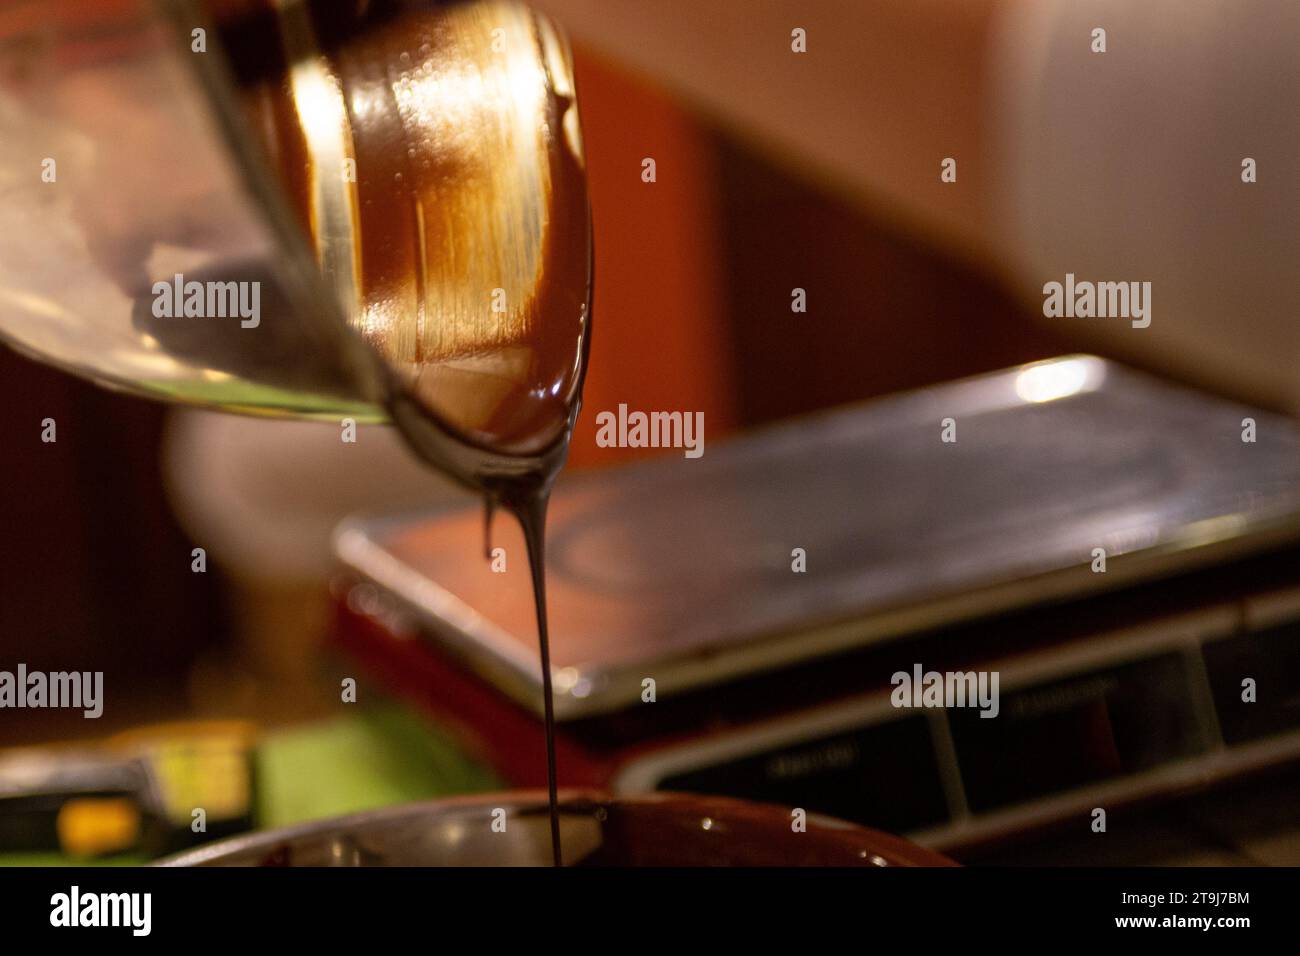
x=420, y=674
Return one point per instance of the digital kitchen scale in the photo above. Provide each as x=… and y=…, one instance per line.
x=1094, y=534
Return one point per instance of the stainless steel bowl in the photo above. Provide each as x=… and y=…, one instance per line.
x=512, y=829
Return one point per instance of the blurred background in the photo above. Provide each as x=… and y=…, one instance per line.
x=776, y=170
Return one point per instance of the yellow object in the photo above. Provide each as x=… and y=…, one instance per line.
x=197, y=764
x=93, y=826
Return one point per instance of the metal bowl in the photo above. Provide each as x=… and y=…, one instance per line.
x=512, y=829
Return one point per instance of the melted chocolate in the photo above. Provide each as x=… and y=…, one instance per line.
x=460, y=247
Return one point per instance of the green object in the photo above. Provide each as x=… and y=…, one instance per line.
x=237, y=394
x=54, y=858
x=378, y=757
x=374, y=757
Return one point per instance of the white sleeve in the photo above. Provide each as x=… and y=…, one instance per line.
x=1127, y=166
